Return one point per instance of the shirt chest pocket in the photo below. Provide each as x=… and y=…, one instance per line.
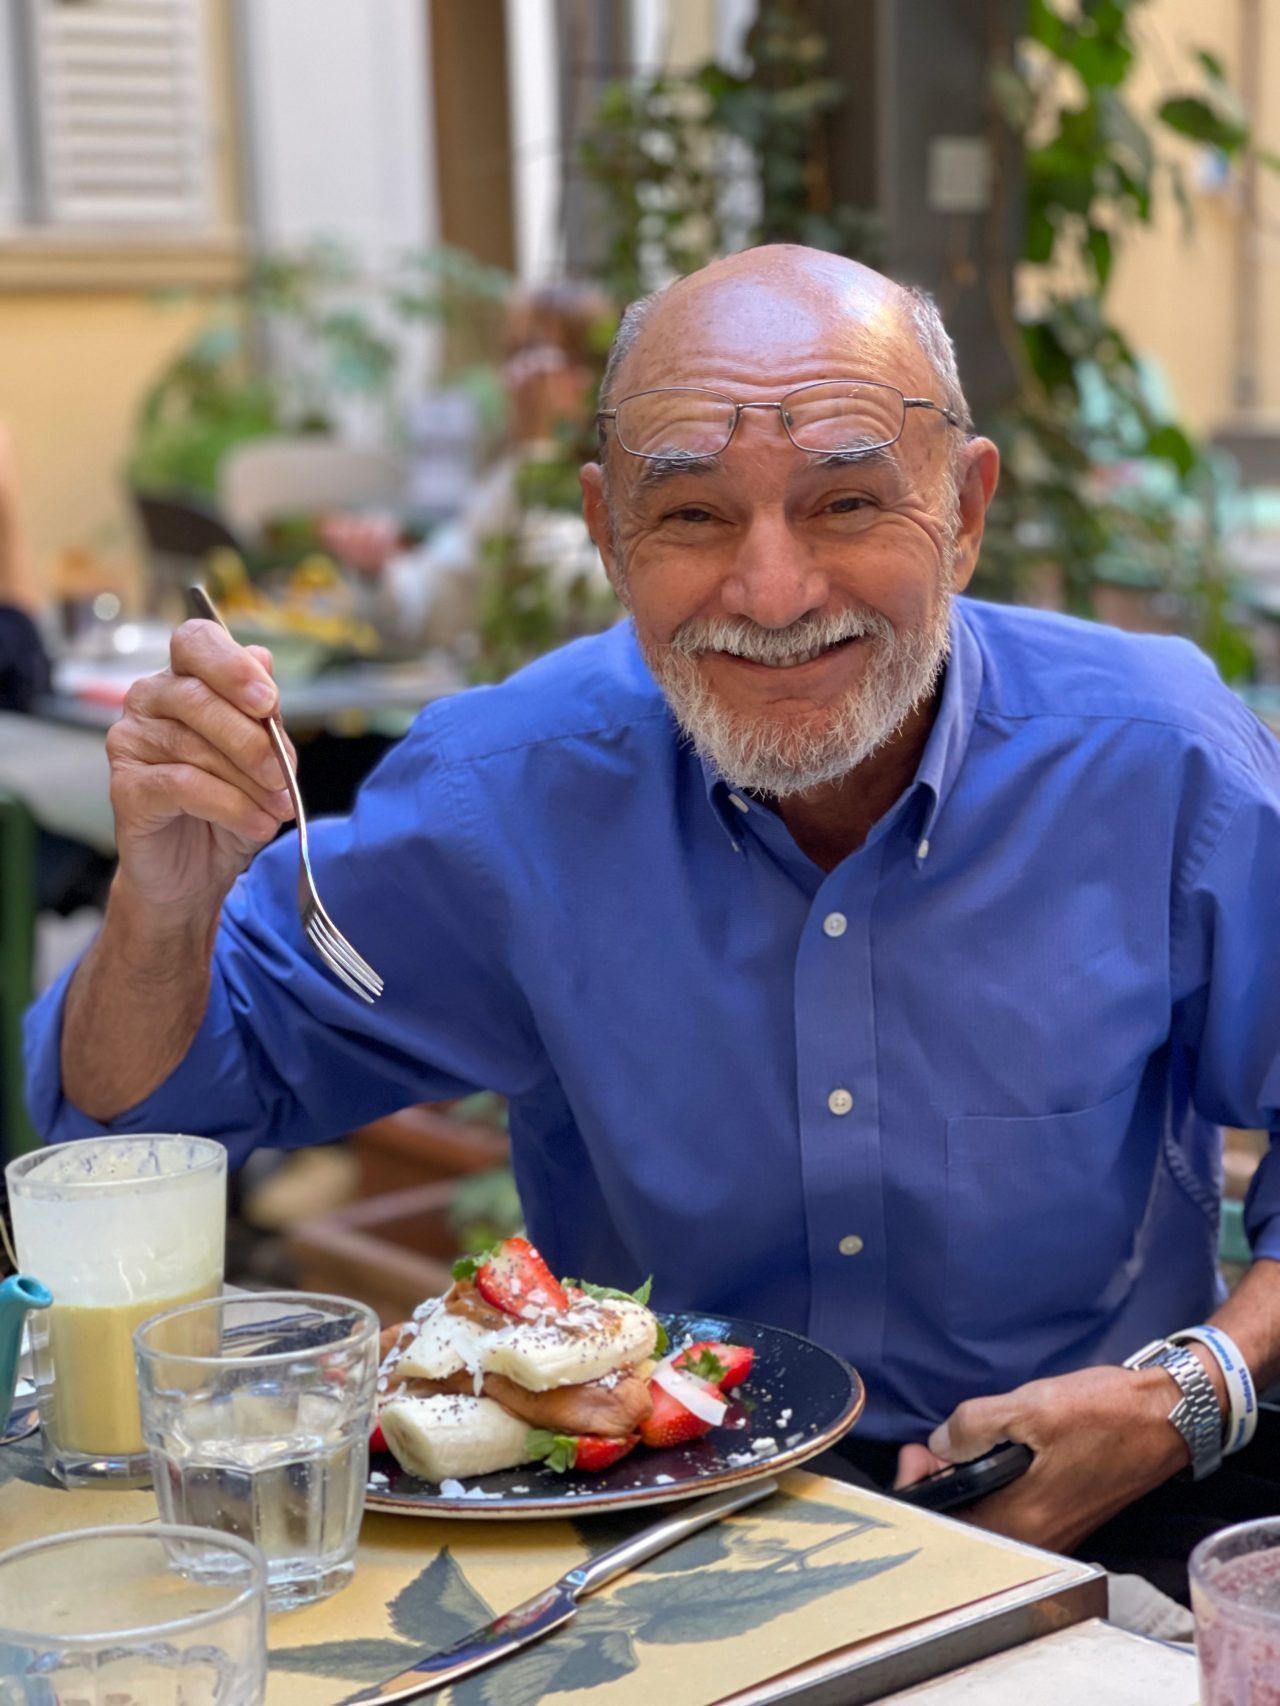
x=1043, y=1219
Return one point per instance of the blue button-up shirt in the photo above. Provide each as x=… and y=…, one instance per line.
x=949, y=1108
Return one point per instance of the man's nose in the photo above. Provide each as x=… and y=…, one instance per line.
x=773, y=581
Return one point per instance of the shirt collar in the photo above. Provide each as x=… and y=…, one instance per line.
x=944, y=750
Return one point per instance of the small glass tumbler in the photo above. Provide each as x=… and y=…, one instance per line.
x=157, y=1615
x=1235, y=1595
x=118, y=1229
x=267, y=1435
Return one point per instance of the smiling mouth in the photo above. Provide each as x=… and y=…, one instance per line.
x=791, y=660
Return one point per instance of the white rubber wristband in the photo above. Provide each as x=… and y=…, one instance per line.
x=1243, y=1417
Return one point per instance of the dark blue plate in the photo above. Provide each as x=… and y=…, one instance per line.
x=798, y=1401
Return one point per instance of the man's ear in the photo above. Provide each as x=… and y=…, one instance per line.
x=979, y=475
x=595, y=510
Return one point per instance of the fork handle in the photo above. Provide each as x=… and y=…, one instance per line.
x=205, y=607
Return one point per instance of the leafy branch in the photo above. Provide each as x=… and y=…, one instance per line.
x=1076, y=495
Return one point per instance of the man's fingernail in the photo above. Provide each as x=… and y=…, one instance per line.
x=260, y=696
x=940, y=1441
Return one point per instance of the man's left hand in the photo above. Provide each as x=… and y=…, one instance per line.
x=1101, y=1439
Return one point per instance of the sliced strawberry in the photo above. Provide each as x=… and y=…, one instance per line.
x=595, y=1452
x=723, y=1365
x=515, y=1279
x=669, y=1422
x=376, y=1440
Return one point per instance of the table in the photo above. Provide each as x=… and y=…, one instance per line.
x=54, y=761
x=1092, y=1661
x=777, y=1607
x=386, y=695
x=61, y=774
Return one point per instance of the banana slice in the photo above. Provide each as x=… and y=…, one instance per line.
x=449, y=1436
x=595, y=1337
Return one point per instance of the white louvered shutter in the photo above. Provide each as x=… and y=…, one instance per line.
x=122, y=135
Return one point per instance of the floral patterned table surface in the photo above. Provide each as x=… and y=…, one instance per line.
x=819, y=1566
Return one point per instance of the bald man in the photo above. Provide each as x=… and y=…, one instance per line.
x=854, y=957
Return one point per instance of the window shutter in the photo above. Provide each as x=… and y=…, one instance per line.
x=118, y=105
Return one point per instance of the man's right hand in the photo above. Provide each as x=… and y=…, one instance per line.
x=195, y=786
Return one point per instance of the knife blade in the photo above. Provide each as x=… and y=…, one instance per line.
x=558, y=1604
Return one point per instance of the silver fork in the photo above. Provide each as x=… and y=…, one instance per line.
x=320, y=930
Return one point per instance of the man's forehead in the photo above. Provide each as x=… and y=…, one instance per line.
x=759, y=335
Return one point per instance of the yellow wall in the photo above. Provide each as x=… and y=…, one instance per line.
x=82, y=336
x=1177, y=296
x=73, y=366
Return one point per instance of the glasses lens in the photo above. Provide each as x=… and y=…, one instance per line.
x=674, y=423
x=844, y=416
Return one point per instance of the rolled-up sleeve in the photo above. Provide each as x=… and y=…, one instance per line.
x=286, y=1055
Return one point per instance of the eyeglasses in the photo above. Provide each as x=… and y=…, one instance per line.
x=829, y=416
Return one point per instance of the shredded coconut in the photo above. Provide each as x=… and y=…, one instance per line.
x=451, y=1489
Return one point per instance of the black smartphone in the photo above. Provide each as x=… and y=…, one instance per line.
x=965, y=1483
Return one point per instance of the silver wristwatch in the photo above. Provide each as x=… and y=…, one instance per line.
x=1197, y=1415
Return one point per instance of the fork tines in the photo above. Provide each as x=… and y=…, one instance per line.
x=341, y=958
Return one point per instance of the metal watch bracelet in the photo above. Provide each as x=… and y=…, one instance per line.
x=1197, y=1415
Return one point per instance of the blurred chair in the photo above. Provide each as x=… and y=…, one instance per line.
x=180, y=534
x=17, y=958
x=273, y=477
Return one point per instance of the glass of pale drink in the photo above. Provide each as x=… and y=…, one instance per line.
x=265, y=1433
x=118, y=1229
x=1235, y=1595
x=129, y=1616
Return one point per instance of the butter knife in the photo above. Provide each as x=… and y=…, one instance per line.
x=558, y=1604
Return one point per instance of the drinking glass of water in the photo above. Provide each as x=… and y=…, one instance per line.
x=265, y=1434
x=167, y=1615
x=1235, y=1595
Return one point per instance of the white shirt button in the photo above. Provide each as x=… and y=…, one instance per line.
x=840, y=1102
x=737, y=800
x=835, y=924
x=850, y=1244
x=922, y=851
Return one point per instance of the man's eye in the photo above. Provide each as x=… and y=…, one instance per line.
x=848, y=505
x=689, y=513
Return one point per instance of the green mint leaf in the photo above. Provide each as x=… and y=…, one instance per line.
x=558, y=1451
x=663, y=1344
x=706, y=1366
x=466, y=1267
x=640, y=1295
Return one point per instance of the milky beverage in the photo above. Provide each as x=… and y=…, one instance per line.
x=118, y=1229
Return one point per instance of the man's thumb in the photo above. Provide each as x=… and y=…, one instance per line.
x=914, y=1462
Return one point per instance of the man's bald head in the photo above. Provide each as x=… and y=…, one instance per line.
x=773, y=295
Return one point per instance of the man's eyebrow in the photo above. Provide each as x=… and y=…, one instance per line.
x=878, y=459
x=659, y=469
x=874, y=456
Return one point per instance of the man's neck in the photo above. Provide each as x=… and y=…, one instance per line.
x=830, y=822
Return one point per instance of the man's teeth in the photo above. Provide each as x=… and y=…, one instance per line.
x=789, y=660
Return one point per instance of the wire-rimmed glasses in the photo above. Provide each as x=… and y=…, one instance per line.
x=827, y=416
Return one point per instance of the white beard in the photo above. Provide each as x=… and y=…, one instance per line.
x=781, y=755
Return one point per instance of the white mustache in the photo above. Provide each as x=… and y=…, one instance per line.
x=740, y=637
